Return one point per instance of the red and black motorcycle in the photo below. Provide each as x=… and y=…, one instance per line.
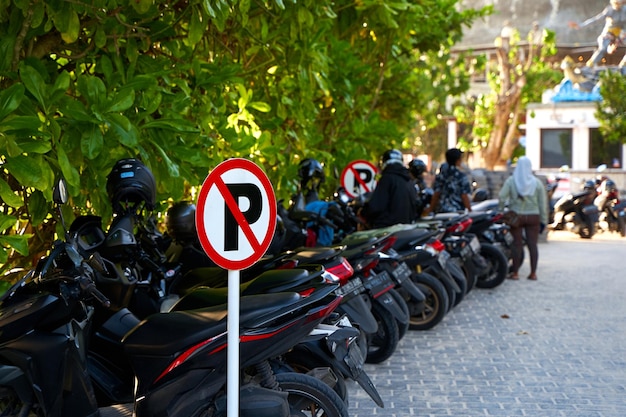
x=177, y=359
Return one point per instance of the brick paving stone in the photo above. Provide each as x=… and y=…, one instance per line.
x=554, y=347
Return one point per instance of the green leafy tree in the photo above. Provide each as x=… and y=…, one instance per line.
x=611, y=109
x=184, y=85
x=520, y=75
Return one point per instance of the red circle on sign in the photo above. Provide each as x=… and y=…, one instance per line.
x=349, y=170
x=259, y=243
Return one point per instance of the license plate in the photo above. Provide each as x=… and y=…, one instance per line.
x=466, y=252
x=355, y=284
x=402, y=272
x=475, y=244
x=443, y=258
x=377, y=284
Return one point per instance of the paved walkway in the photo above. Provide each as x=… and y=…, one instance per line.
x=554, y=347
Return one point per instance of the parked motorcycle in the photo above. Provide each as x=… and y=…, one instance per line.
x=158, y=287
x=426, y=258
x=576, y=212
x=611, y=211
x=411, y=247
x=177, y=359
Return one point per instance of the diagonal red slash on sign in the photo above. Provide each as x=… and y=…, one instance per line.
x=216, y=192
x=357, y=176
x=237, y=214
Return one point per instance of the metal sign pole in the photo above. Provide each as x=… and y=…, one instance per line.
x=220, y=219
x=232, y=370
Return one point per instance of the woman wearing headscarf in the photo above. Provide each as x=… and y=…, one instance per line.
x=525, y=194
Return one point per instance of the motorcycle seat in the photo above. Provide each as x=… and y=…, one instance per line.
x=272, y=281
x=312, y=255
x=406, y=238
x=165, y=334
x=480, y=216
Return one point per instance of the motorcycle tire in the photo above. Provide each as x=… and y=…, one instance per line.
x=469, y=271
x=402, y=327
x=510, y=260
x=308, y=396
x=435, y=306
x=447, y=286
x=497, y=268
x=621, y=226
x=301, y=361
x=12, y=405
x=413, y=307
x=587, y=230
x=382, y=344
x=459, y=277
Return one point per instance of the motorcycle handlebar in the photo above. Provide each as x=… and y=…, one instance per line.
x=88, y=287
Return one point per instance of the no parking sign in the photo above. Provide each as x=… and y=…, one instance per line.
x=359, y=177
x=235, y=218
x=236, y=214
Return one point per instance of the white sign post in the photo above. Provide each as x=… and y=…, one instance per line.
x=235, y=219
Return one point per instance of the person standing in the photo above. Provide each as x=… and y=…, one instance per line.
x=452, y=188
x=417, y=169
x=393, y=200
x=614, y=16
x=525, y=194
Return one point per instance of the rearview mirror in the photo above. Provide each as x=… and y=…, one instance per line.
x=59, y=194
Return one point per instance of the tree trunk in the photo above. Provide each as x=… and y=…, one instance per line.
x=504, y=136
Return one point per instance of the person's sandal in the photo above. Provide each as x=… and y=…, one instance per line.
x=532, y=277
x=513, y=276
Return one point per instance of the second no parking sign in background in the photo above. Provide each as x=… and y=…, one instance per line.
x=359, y=177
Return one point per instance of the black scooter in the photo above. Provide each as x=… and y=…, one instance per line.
x=178, y=358
x=150, y=286
x=577, y=213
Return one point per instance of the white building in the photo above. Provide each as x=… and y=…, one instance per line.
x=566, y=133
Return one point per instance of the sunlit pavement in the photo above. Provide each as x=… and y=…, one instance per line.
x=552, y=347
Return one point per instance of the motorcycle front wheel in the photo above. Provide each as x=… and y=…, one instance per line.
x=310, y=397
x=12, y=405
x=382, y=344
x=402, y=327
x=587, y=230
x=497, y=267
x=459, y=277
x=435, y=306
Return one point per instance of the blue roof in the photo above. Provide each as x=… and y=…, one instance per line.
x=567, y=91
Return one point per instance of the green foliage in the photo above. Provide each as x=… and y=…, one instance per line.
x=536, y=75
x=185, y=85
x=611, y=109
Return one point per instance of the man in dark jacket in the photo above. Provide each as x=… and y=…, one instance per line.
x=393, y=199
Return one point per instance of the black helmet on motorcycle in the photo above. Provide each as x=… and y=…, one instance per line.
x=310, y=170
x=131, y=182
x=392, y=156
x=480, y=195
x=589, y=185
x=417, y=167
x=608, y=186
x=180, y=221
